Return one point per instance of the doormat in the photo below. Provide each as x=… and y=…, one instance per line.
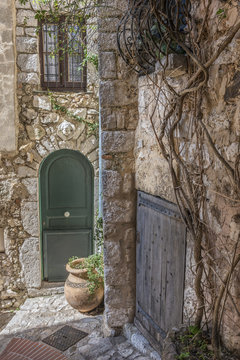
x=65, y=337
x=26, y=349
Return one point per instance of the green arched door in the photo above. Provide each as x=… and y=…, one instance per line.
x=66, y=211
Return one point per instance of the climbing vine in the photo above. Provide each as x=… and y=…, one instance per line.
x=92, y=127
x=68, y=15
x=72, y=17
x=156, y=32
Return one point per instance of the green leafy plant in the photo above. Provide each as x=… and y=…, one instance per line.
x=92, y=127
x=91, y=58
x=221, y=13
x=193, y=344
x=183, y=355
x=93, y=264
x=98, y=233
x=69, y=15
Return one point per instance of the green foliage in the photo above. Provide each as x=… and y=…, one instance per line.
x=69, y=15
x=94, y=264
x=98, y=234
x=25, y=20
x=93, y=128
x=221, y=13
x=183, y=355
x=91, y=58
x=71, y=259
x=193, y=344
x=193, y=330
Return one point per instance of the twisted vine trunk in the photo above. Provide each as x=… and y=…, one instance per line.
x=217, y=307
x=187, y=175
x=198, y=278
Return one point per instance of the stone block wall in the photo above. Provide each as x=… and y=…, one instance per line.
x=41, y=130
x=221, y=114
x=8, y=104
x=119, y=116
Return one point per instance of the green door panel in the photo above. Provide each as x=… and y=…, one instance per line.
x=62, y=183
x=66, y=186
x=66, y=206
x=59, y=246
x=66, y=223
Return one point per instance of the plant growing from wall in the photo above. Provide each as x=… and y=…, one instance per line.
x=194, y=344
x=69, y=15
x=151, y=32
x=92, y=127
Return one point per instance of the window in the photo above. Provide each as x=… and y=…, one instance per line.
x=61, y=55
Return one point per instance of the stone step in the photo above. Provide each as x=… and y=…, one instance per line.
x=46, y=290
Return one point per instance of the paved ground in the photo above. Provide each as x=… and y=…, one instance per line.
x=40, y=317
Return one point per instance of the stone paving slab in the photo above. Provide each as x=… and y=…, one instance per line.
x=5, y=317
x=40, y=317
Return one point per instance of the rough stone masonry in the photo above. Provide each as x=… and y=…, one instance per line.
x=8, y=104
x=132, y=160
x=41, y=130
x=119, y=114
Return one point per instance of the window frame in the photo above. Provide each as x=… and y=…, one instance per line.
x=62, y=84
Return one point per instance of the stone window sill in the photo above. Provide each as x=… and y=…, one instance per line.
x=63, y=92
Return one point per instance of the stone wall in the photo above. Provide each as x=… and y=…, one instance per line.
x=221, y=114
x=8, y=116
x=118, y=103
x=42, y=129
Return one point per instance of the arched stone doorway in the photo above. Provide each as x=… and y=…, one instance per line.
x=66, y=211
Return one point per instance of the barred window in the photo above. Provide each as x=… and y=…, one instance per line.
x=62, y=55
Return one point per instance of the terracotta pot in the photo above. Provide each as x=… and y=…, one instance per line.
x=76, y=290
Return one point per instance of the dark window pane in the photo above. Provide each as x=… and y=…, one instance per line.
x=51, y=68
x=50, y=54
x=75, y=54
x=74, y=68
x=50, y=38
x=74, y=37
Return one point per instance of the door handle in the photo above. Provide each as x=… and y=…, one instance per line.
x=67, y=214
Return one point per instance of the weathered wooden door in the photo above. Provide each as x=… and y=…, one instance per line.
x=161, y=237
x=66, y=210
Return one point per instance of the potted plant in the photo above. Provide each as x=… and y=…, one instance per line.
x=84, y=287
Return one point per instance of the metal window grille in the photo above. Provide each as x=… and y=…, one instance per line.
x=150, y=30
x=62, y=54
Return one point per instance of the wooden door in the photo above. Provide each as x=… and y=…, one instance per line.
x=161, y=238
x=66, y=209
